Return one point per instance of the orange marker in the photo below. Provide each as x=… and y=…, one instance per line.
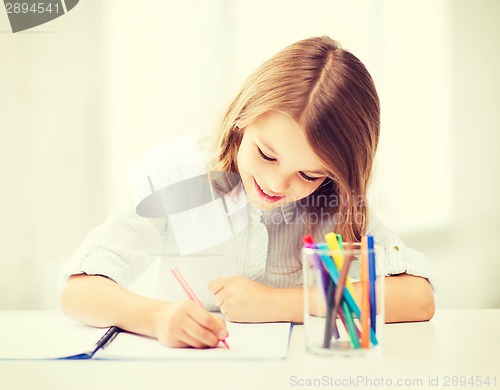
x=365, y=295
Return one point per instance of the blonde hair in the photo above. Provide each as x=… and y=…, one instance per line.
x=329, y=92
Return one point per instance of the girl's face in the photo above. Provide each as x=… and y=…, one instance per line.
x=276, y=163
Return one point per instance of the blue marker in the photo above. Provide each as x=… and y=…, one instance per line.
x=373, y=278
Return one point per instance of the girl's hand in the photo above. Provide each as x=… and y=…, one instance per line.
x=186, y=324
x=243, y=300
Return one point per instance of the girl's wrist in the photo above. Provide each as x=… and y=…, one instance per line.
x=157, y=316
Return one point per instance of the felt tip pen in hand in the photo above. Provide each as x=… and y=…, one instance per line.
x=190, y=293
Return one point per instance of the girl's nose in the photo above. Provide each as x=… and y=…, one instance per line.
x=279, y=183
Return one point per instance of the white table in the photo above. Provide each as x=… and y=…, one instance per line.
x=456, y=345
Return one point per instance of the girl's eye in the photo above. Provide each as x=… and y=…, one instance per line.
x=267, y=158
x=308, y=178
x=271, y=159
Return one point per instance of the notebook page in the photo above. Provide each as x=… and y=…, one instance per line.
x=43, y=335
x=263, y=341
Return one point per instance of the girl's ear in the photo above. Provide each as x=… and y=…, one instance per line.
x=238, y=125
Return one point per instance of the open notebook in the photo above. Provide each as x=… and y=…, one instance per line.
x=50, y=335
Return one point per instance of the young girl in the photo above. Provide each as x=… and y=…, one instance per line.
x=301, y=134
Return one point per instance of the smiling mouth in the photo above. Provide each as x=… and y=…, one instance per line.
x=265, y=196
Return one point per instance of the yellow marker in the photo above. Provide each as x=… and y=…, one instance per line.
x=338, y=259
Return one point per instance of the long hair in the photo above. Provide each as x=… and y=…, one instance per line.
x=328, y=92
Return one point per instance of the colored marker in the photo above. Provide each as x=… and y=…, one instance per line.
x=373, y=279
x=347, y=303
x=190, y=293
x=338, y=258
x=315, y=261
x=365, y=295
x=340, y=289
x=334, y=274
x=350, y=325
x=329, y=314
x=328, y=289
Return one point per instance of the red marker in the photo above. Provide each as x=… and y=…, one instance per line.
x=308, y=240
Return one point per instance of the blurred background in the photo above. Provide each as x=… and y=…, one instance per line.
x=83, y=94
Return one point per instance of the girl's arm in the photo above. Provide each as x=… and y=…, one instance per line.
x=407, y=298
x=100, y=302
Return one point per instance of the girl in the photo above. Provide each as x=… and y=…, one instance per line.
x=301, y=134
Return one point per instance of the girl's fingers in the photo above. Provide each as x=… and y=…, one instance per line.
x=203, y=334
x=187, y=340
x=210, y=322
x=189, y=324
x=200, y=328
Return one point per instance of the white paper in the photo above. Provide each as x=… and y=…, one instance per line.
x=50, y=335
x=246, y=342
x=43, y=335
